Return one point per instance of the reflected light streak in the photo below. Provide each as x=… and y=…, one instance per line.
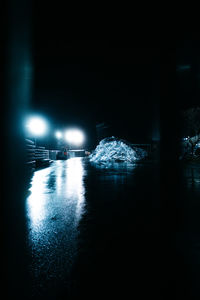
x=54, y=209
x=75, y=190
x=63, y=198
x=59, y=177
x=37, y=200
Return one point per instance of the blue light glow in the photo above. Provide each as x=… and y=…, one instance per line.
x=58, y=134
x=74, y=136
x=36, y=126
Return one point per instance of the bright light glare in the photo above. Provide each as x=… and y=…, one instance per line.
x=74, y=136
x=36, y=126
x=58, y=134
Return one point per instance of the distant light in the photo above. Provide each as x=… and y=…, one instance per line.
x=185, y=138
x=181, y=68
x=36, y=126
x=74, y=136
x=58, y=134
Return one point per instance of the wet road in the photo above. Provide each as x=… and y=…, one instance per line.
x=188, y=233
x=54, y=209
x=88, y=226
x=97, y=232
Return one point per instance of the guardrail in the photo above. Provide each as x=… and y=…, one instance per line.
x=36, y=156
x=30, y=154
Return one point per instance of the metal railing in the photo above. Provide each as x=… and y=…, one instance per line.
x=36, y=156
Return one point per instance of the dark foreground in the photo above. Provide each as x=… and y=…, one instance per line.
x=94, y=231
x=99, y=233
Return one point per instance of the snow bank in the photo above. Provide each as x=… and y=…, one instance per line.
x=115, y=150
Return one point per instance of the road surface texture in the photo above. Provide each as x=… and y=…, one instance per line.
x=96, y=232
x=93, y=230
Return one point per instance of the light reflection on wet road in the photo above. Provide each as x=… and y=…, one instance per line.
x=90, y=225
x=54, y=209
x=82, y=220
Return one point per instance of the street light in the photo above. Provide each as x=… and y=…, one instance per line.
x=74, y=137
x=58, y=135
x=36, y=126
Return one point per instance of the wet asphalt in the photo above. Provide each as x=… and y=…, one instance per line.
x=95, y=231
x=84, y=227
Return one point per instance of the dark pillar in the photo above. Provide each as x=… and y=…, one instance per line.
x=17, y=87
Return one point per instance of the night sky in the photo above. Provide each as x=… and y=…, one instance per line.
x=84, y=82
x=188, y=72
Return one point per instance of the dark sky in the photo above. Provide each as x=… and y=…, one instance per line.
x=115, y=78
x=89, y=81
x=86, y=81
x=188, y=72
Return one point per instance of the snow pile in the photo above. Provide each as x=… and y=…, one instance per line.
x=112, y=149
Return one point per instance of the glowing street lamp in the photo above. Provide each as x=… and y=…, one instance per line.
x=74, y=137
x=36, y=126
x=58, y=135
